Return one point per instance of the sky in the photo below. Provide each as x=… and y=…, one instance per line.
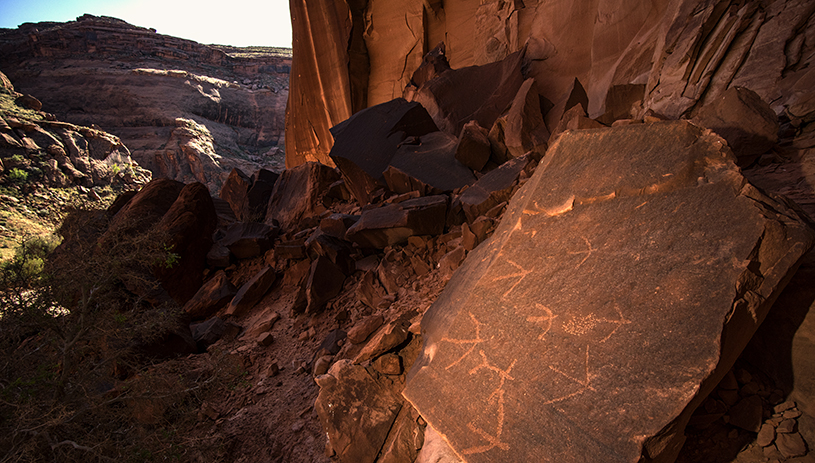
x=239, y=23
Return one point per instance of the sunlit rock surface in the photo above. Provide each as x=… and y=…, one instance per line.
x=186, y=111
x=624, y=280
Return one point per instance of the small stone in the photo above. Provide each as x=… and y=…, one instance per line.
x=743, y=376
x=265, y=325
x=360, y=332
x=733, y=434
x=322, y=364
x=298, y=426
x=791, y=445
x=776, y=397
x=787, y=426
x=272, y=370
x=766, y=435
x=782, y=407
x=751, y=388
x=729, y=396
x=388, y=364
x=792, y=414
x=729, y=381
x=265, y=339
x=771, y=452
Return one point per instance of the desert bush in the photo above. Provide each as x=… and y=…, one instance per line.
x=16, y=175
x=73, y=378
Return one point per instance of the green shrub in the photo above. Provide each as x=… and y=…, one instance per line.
x=16, y=175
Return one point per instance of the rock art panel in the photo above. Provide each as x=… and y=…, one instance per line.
x=592, y=320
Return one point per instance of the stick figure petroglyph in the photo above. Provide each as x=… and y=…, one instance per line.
x=472, y=342
x=496, y=398
x=584, y=383
x=520, y=275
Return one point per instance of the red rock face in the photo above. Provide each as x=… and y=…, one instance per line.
x=185, y=111
x=682, y=54
x=622, y=283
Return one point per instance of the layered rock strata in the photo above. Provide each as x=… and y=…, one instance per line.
x=186, y=111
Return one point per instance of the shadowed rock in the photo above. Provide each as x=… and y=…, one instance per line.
x=246, y=240
x=188, y=226
x=212, y=296
x=365, y=143
x=234, y=191
x=428, y=165
x=324, y=283
x=741, y=117
x=481, y=93
x=296, y=194
x=473, y=148
x=251, y=292
x=263, y=182
x=625, y=278
x=394, y=223
x=492, y=189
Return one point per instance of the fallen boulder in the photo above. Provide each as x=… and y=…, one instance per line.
x=481, y=93
x=492, y=189
x=742, y=118
x=522, y=128
x=394, y=223
x=246, y=240
x=234, y=191
x=324, y=283
x=263, y=182
x=251, y=292
x=365, y=143
x=296, y=194
x=188, y=226
x=356, y=410
x=624, y=280
x=428, y=165
x=211, y=297
x=473, y=148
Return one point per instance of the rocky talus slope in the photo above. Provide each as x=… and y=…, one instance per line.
x=186, y=111
x=47, y=164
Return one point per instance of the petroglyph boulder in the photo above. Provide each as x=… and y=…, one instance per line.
x=623, y=281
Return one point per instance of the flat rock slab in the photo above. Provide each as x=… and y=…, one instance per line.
x=593, y=318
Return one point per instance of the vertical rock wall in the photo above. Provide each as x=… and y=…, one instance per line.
x=684, y=52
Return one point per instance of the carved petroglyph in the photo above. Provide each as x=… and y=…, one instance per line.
x=545, y=319
x=580, y=325
x=463, y=342
x=520, y=275
x=497, y=399
x=585, y=383
x=588, y=252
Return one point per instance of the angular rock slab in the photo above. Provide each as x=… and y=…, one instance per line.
x=592, y=320
x=365, y=143
x=356, y=411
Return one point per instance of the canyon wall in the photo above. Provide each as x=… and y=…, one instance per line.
x=186, y=111
x=668, y=58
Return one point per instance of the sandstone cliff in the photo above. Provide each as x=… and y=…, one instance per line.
x=187, y=111
x=666, y=57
